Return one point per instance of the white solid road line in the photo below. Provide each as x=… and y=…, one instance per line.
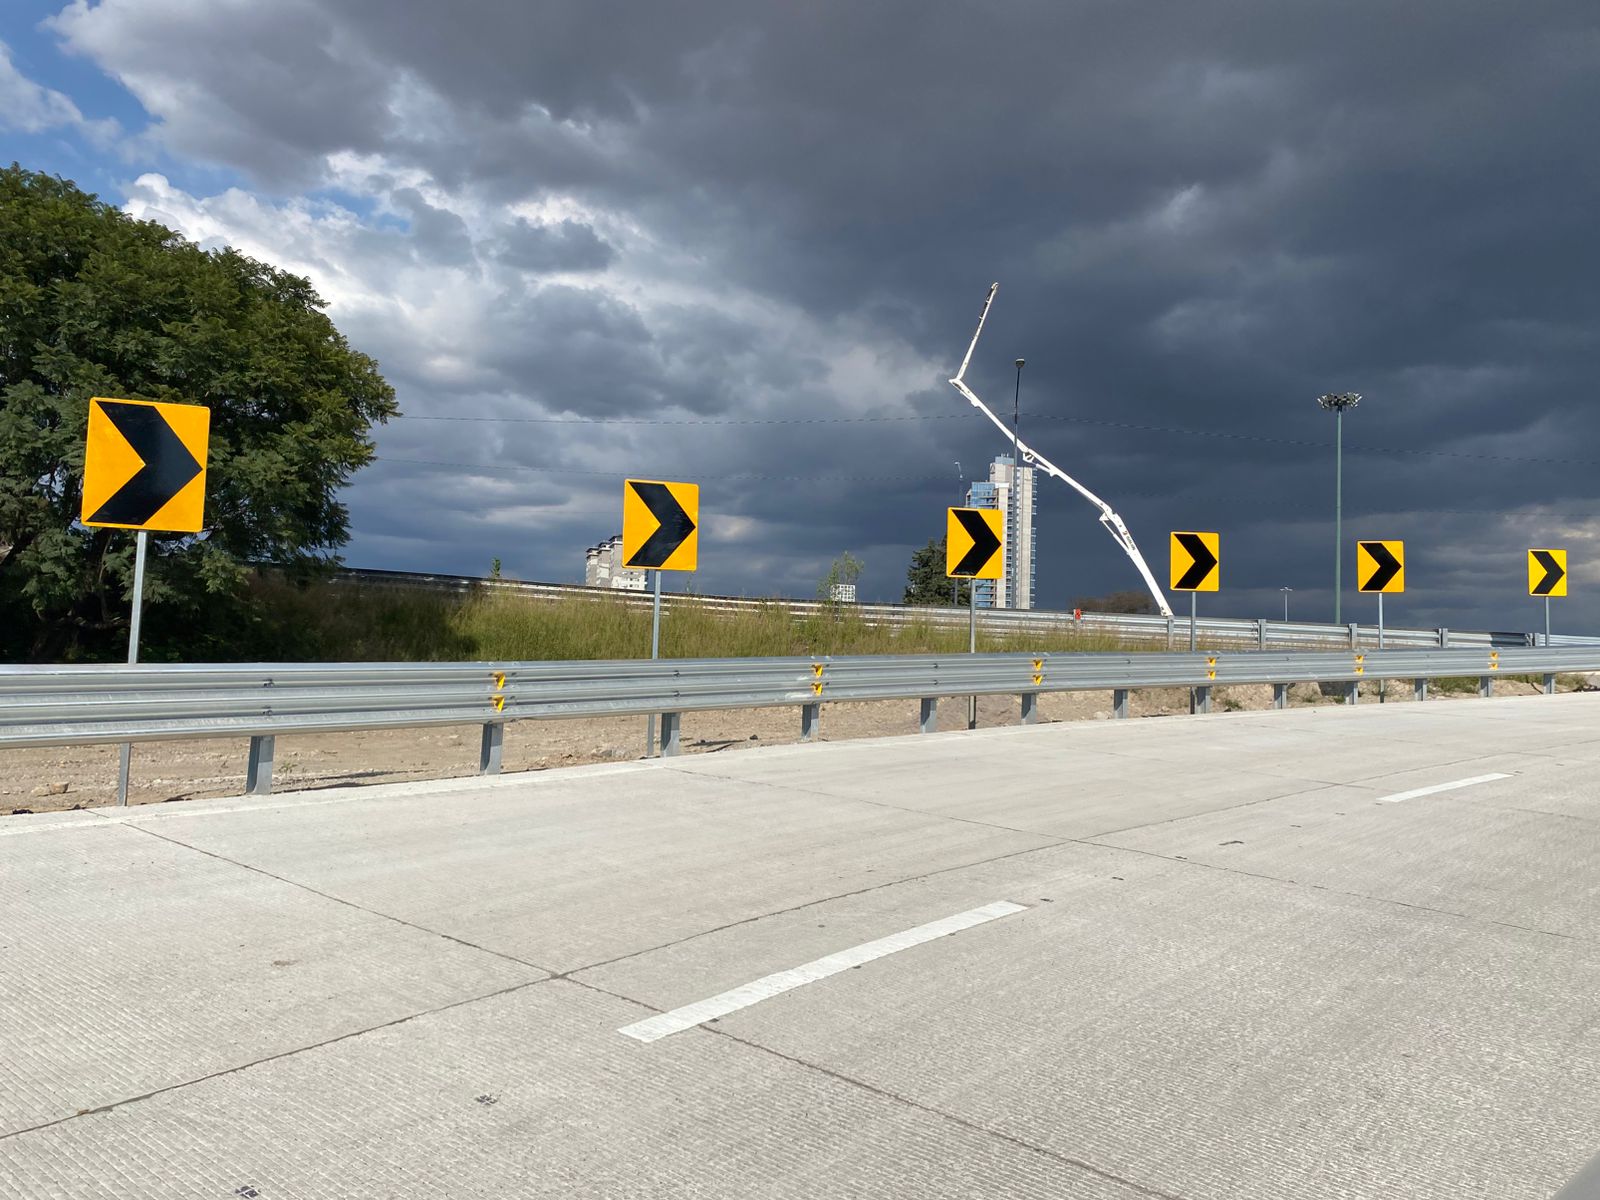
x=690, y=1015
x=1441, y=787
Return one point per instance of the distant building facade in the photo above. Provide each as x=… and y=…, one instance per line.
x=842, y=593
x=1016, y=589
x=602, y=567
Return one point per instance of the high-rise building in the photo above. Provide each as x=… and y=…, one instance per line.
x=602, y=567
x=1016, y=589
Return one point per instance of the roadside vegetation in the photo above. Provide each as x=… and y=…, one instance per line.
x=342, y=622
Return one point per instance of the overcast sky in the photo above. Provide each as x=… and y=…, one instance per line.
x=746, y=244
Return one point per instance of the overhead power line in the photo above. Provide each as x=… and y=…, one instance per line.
x=936, y=481
x=1130, y=426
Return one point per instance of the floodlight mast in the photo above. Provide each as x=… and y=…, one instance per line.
x=1108, y=517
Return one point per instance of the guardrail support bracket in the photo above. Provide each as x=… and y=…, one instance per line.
x=1486, y=685
x=1202, y=699
x=1280, y=695
x=1030, y=708
x=671, y=745
x=810, y=719
x=1549, y=685
x=258, y=767
x=494, y=737
x=930, y=714
x=1419, y=690
x=1119, y=704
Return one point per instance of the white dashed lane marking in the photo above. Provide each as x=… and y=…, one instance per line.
x=1441, y=787
x=690, y=1015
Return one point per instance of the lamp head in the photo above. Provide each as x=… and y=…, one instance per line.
x=1020, y=362
x=1339, y=401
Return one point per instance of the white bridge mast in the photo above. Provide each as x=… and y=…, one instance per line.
x=1108, y=517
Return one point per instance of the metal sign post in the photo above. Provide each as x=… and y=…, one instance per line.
x=1196, y=567
x=972, y=648
x=1194, y=607
x=140, y=540
x=655, y=652
x=1380, y=645
x=1547, y=622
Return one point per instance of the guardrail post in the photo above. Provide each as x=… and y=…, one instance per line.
x=258, y=767
x=1202, y=699
x=1280, y=695
x=1352, y=691
x=1444, y=638
x=930, y=714
x=1419, y=690
x=1171, y=623
x=1549, y=685
x=494, y=737
x=810, y=718
x=1030, y=708
x=1355, y=636
x=671, y=746
x=1119, y=704
x=1261, y=634
x=1486, y=685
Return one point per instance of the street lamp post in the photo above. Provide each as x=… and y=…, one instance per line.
x=1014, y=542
x=1336, y=403
x=1286, y=591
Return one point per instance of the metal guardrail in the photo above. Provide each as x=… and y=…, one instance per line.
x=1173, y=632
x=67, y=705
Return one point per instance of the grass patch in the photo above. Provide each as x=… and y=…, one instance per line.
x=340, y=622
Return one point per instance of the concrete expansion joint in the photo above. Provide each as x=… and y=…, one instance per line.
x=293, y=1051
x=329, y=896
x=1053, y=839
x=953, y=1118
x=1333, y=891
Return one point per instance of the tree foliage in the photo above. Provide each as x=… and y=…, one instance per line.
x=1117, y=602
x=95, y=303
x=926, y=582
x=845, y=569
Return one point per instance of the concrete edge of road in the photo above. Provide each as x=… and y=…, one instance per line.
x=108, y=815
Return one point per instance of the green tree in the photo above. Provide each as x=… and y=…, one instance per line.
x=926, y=582
x=1117, y=602
x=95, y=303
x=846, y=568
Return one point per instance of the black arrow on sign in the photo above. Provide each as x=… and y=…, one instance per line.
x=984, y=543
x=674, y=528
x=1388, y=566
x=1204, y=562
x=167, y=468
x=1554, y=573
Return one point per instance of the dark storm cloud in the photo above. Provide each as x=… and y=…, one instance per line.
x=1202, y=216
x=569, y=246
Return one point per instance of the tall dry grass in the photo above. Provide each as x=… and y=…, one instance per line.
x=340, y=622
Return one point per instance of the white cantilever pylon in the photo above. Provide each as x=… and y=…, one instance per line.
x=1108, y=517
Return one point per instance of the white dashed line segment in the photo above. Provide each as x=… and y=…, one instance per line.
x=653, y=1028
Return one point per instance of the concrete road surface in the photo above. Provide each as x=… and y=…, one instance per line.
x=1317, y=953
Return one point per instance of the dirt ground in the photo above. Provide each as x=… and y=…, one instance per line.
x=59, y=778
